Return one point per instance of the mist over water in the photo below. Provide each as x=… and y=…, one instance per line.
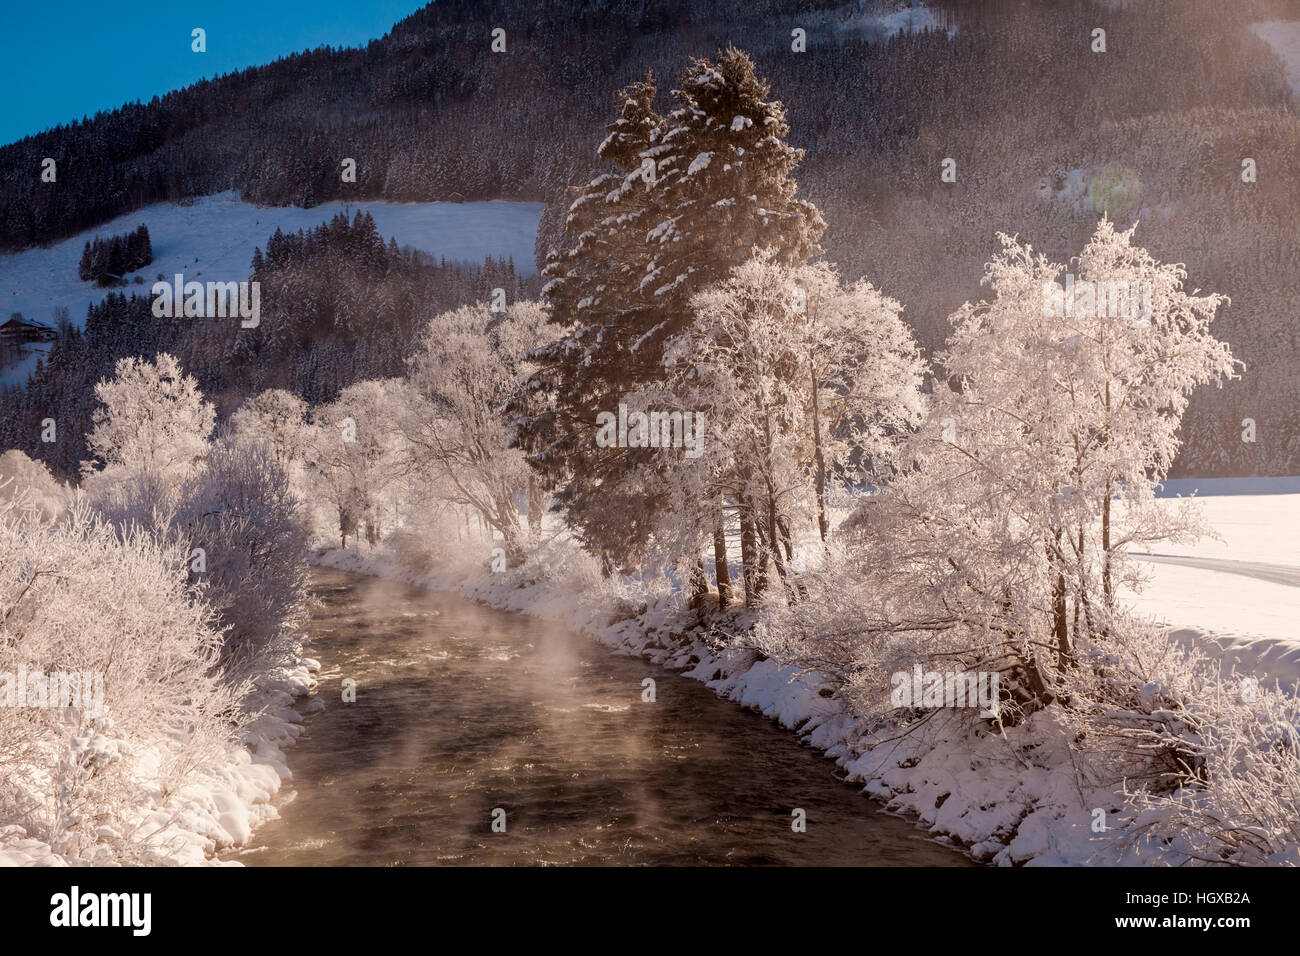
x=461, y=709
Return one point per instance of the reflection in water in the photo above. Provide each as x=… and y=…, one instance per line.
x=461, y=709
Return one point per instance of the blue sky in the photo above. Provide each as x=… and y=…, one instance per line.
x=60, y=61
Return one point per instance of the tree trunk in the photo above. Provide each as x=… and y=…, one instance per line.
x=774, y=545
x=822, y=524
x=699, y=585
x=1060, y=621
x=1105, y=549
x=1083, y=587
x=720, y=567
x=748, y=557
x=535, y=509
x=783, y=525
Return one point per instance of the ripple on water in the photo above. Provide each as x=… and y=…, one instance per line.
x=411, y=772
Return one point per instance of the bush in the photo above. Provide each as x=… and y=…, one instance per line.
x=245, y=536
x=80, y=597
x=30, y=486
x=253, y=531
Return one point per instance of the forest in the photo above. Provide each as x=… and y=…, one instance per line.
x=442, y=117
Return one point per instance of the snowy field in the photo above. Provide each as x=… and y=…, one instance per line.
x=214, y=239
x=1284, y=38
x=1239, y=597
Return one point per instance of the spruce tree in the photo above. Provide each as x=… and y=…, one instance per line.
x=692, y=196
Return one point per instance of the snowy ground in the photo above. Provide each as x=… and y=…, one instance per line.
x=213, y=240
x=1283, y=36
x=1238, y=597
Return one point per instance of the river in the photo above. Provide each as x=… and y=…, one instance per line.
x=461, y=710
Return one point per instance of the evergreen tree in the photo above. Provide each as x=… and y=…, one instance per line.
x=694, y=194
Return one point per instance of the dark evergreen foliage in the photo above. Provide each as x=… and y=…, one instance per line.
x=107, y=261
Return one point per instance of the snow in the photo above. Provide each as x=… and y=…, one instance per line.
x=214, y=237
x=702, y=161
x=1238, y=598
x=1258, y=518
x=1283, y=36
x=219, y=806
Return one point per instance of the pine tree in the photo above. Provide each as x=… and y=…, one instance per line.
x=592, y=294
x=695, y=193
x=724, y=186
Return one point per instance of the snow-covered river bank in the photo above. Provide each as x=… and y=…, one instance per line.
x=461, y=710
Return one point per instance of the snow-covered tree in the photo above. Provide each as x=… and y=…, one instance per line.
x=697, y=191
x=154, y=419
x=468, y=365
x=1070, y=394
x=358, y=458
x=278, y=417
x=798, y=379
x=1030, y=478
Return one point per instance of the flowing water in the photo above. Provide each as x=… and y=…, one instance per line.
x=461, y=710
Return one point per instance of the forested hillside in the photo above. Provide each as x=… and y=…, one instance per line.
x=1013, y=92
x=338, y=306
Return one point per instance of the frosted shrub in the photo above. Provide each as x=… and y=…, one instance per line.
x=244, y=536
x=1244, y=808
x=30, y=484
x=81, y=597
x=252, y=530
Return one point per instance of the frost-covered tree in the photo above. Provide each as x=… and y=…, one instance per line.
x=278, y=417
x=1071, y=389
x=469, y=363
x=1031, y=477
x=798, y=378
x=697, y=191
x=153, y=419
x=358, y=458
